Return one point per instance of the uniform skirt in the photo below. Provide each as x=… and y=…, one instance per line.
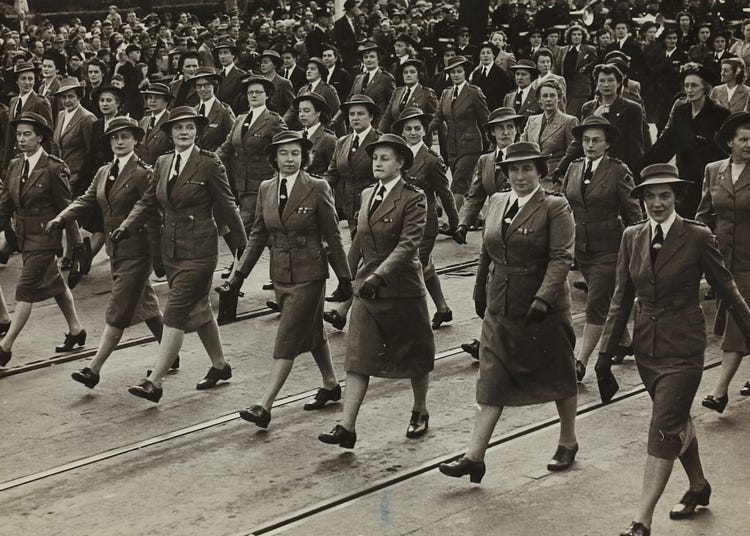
x=734, y=340
x=599, y=272
x=425, y=248
x=40, y=277
x=301, y=325
x=672, y=383
x=390, y=338
x=188, y=306
x=132, y=300
x=523, y=364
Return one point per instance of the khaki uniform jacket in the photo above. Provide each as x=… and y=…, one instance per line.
x=428, y=173
x=487, y=179
x=387, y=243
x=75, y=141
x=34, y=103
x=45, y=194
x=606, y=209
x=326, y=91
x=229, y=87
x=245, y=157
x=282, y=97
x=528, y=108
x=349, y=174
x=557, y=135
x=184, y=95
x=220, y=121
x=739, y=100
x=422, y=97
x=463, y=120
x=534, y=259
x=298, y=234
x=156, y=142
x=379, y=88
x=324, y=143
x=189, y=230
x=669, y=321
x=129, y=187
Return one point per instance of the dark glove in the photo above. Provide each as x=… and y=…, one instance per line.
x=369, y=288
x=53, y=225
x=159, y=270
x=603, y=364
x=480, y=307
x=537, y=311
x=120, y=234
x=344, y=291
x=12, y=239
x=459, y=235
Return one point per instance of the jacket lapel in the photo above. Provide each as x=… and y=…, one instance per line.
x=531, y=206
x=553, y=127
x=36, y=173
x=123, y=177
x=389, y=203
x=598, y=179
x=162, y=176
x=419, y=160
x=258, y=124
x=724, y=178
x=73, y=122
x=300, y=191
x=672, y=244
x=189, y=169
x=744, y=179
x=361, y=153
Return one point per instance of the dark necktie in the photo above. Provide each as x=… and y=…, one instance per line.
x=656, y=244
x=588, y=173
x=151, y=122
x=355, y=146
x=405, y=98
x=25, y=171
x=509, y=215
x=498, y=170
x=365, y=81
x=19, y=108
x=202, y=109
x=309, y=88
x=246, y=124
x=286, y=73
x=519, y=101
x=455, y=96
x=377, y=200
x=173, y=178
x=114, y=171
x=541, y=130
x=304, y=134
x=283, y=196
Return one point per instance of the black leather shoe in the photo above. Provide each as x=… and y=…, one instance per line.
x=71, y=341
x=86, y=376
x=715, y=403
x=339, y=436
x=227, y=271
x=636, y=529
x=745, y=389
x=441, y=317
x=4, y=257
x=581, y=285
x=75, y=275
x=273, y=305
x=322, y=396
x=580, y=370
x=65, y=264
x=418, y=425
x=471, y=348
x=146, y=390
x=621, y=353
x=4, y=327
x=563, y=458
x=692, y=499
x=5, y=357
x=268, y=286
x=464, y=466
x=213, y=376
x=335, y=319
x=257, y=414
x=174, y=368
x=86, y=256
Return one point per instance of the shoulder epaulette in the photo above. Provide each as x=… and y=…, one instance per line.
x=581, y=159
x=143, y=164
x=640, y=222
x=617, y=160
x=56, y=158
x=329, y=131
x=207, y=152
x=316, y=176
x=505, y=187
x=411, y=186
x=433, y=153
x=694, y=222
x=552, y=192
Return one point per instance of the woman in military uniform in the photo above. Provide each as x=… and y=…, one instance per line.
x=390, y=335
x=191, y=187
x=598, y=189
x=316, y=72
x=725, y=207
x=220, y=116
x=411, y=94
x=521, y=292
x=660, y=266
x=313, y=113
x=427, y=172
x=36, y=188
x=114, y=191
x=296, y=213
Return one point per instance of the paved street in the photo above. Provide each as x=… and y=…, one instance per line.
x=79, y=461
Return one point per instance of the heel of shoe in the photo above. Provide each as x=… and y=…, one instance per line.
x=477, y=473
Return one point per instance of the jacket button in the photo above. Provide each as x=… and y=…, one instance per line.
x=653, y=318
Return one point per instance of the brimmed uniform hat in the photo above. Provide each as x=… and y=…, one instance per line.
x=288, y=136
x=258, y=79
x=526, y=65
x=275, y=56
x=204, y=72
x=23, y=67
x=227, y=43
x=184, y=113
x=398, y=143
x=522, y=152
x=364, y=100
x=321, y=66
x=368, y=46
x=70, y=83
x=729, y=127
x=414, y=62
x=657, y=174
x=454, y=62
x=594, y=121
x=125, y=123
x=159, y=89
x=34, y=119
x=411, y=112
x=409, y=40
x=501, y=115
x=320, y=102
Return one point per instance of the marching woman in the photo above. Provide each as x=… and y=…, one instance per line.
x=428, y=173
x=191, y=187
x=598, y=189
x=296, y=213
x=313, y=113
x=390, y=335
x=660, y=264
x=114, y=191
x=411, y=93
x=526, y=350
x=725, y=207
x=36, y=188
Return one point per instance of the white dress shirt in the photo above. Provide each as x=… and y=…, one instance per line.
x=666, y=225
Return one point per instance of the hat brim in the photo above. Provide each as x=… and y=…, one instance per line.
x=270, y=87
x=201, y=122
x=192, y=79
x=459, y=63
x=524, y=158
x=109, y=89
x=47, y=129
x=402, y=149
x=320, y=102
x=138, y=132
x=374, y=108
x=424, y=117
x=277, y=61
x=729, y=127
x=613, y=131
x=167, y=96
x=78, y=89
x=492, y=122
x=304, y=142
x=657, y=181
x=518, y=67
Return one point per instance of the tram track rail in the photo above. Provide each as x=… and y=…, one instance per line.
x=147, y=339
